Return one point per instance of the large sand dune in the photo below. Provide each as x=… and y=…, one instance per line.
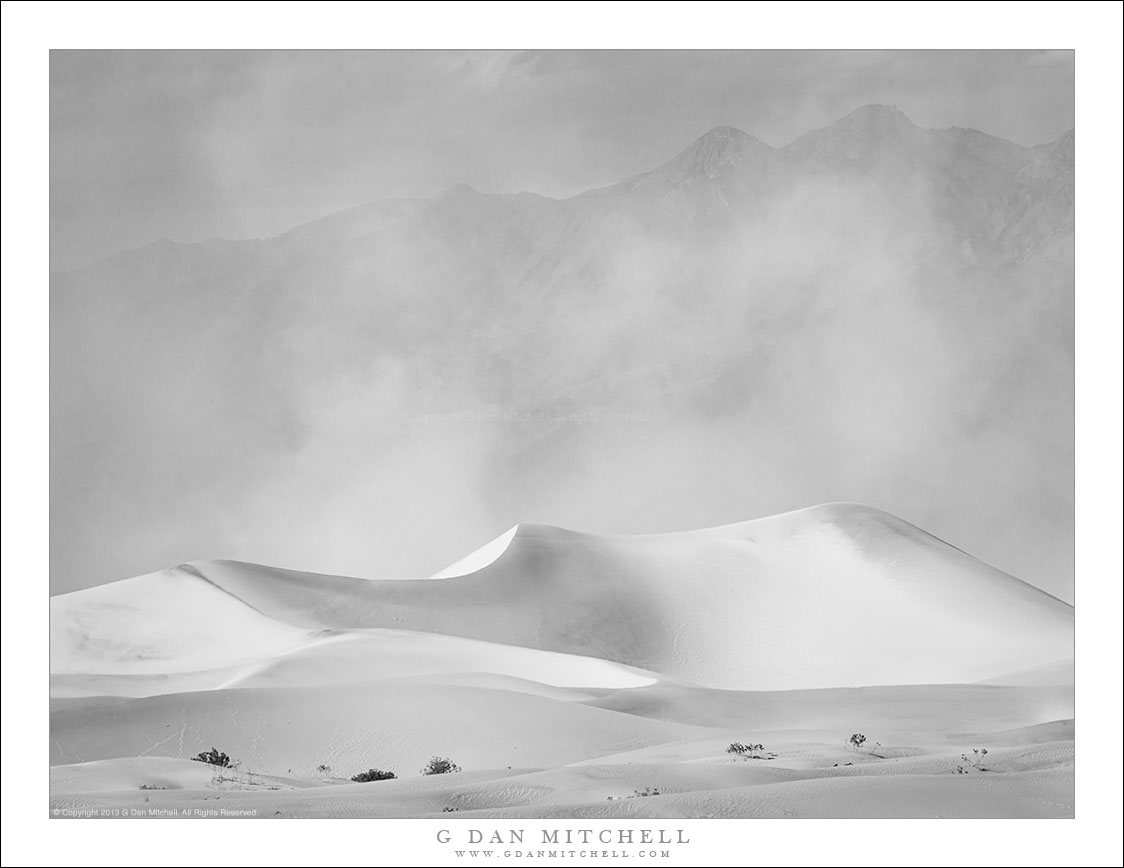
x=561, y=669
x=833, y=596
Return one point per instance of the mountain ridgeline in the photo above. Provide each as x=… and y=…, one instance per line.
x=876, y=311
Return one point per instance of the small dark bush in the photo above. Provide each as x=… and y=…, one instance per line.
x=440, y=765
x=636, y=794
x=214, y=758
x=858, y=741
x=373, y=775
x=973, y=763
x=751, y=751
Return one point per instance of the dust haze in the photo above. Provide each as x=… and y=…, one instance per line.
x=878, y=311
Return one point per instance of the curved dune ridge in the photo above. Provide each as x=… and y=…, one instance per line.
x=568, y=672
x=480, y=558
x=839, y=595
x=362, y=656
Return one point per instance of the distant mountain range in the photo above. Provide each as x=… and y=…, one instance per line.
x=874, y=312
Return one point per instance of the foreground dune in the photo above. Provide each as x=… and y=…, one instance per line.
x=1035, y=781
x=567, y=673
x=397, y=726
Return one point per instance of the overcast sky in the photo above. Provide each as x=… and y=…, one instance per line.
x=190, y=145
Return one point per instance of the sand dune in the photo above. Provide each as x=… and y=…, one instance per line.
x=833, y=596
x=1035, y=782
x=1054, y=672
x=1025, y=795
x=565, y=672
x=480, y=558
x=129, y=775
x=363, y=656
x=948, y=708
x=398, y=726
x=173, y=621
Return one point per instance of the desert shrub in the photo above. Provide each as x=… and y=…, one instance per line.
x=749, y=751
x=973, y=763
x=440, y=765
x=373, y=775
x=214, y=758
x=323, y=769
x=448, y=810
x=636, y=794
x=858, y=741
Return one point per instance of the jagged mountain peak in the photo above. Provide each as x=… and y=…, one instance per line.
x=866, y=128
x=716, y=149
x=877, y=113
x=459, y=191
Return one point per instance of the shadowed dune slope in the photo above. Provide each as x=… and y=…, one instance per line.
x=832, y=596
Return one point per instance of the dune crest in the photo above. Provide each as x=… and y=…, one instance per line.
x=839, y=595
x=482, y=557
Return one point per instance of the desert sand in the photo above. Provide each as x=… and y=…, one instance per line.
x=568, y=673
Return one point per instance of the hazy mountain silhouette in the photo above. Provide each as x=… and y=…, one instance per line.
x=874, y=312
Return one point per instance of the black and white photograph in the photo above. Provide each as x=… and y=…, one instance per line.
x=563, y=445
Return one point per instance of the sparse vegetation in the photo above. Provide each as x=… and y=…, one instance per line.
x=973, y=763
x=373, y=775
x=858, y=740
x=448, y=810
x=213, y=757
x=636, y=794
x=440, y=765
x=323, y=769
x=229, y=775
x=749, y=751
x=152, y=787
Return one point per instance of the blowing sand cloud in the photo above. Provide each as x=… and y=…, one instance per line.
x=873, y=313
